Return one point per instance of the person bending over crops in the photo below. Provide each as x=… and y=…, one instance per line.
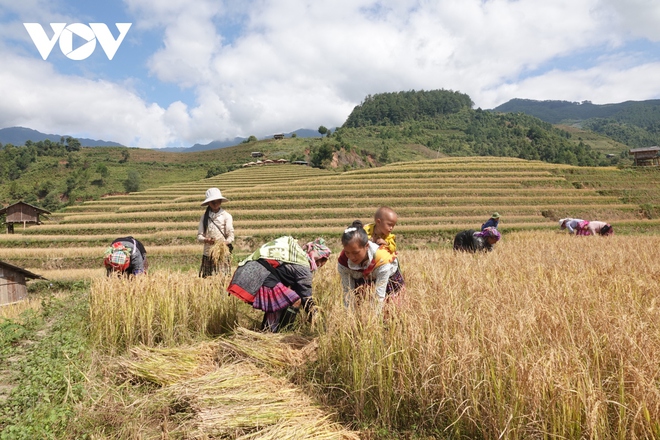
x=363, y=263
x=277, y=279
x=216, y=231
x=473, y=241
x=572, y=224
x=125, y=256
x=492, y=222
x=594, y=228
x=380, y=231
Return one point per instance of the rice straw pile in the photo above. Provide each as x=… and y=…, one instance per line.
x=233, y=400
x=272, y=350
x=167, y=366
x=240, y=401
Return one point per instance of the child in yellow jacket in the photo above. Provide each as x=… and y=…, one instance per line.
x=380, y=231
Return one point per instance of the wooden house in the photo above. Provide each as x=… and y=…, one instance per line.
x=21, y=212
x=12, y=283
x=278, y=136
x=646, y=156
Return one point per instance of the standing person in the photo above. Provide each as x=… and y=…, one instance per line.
x=125, y=256
x=473, y=241
x=380, y=231
x=492, y=222
x=572, y=224
x=277, y=279
x=215, y=226
x=364, y=263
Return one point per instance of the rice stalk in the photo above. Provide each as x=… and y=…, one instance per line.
x=273, y=350
x=166, y=366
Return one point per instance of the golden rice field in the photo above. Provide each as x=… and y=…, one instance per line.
x=434, y=200
x=548, y=336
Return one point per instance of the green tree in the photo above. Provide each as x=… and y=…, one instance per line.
x=125, y=154
x=384, y=154
x=322, y=156
x=133, y=181
x=72, y=144
x=323, y=130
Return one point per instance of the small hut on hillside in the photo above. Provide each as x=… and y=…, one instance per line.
x=12, y=283
x=646, y=156
x=21, y=212
x=278, y=136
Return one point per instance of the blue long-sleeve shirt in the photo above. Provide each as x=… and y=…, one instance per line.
x=490, y=223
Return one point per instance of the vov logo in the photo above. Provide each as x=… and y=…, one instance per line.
x=64, y=33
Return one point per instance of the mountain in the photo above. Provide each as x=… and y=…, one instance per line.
x=634, y=123
x=562, y=111
x=214, y=145
x=19, y=135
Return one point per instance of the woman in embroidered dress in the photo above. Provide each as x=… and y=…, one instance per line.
x=473, y=241
x=363, y=263
x=216, y=225
x=277, y=279
x=126, y=256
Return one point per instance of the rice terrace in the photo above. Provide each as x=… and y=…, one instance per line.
x=549, y=336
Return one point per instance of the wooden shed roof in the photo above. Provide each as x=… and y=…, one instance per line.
x=4, y=210
x=27, y=273
x=642, y=150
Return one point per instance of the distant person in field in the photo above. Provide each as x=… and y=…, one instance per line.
x=594, y=228
x=363, y=263
x=572, y=224
x=277, y=279
x=380, y=231
x=125, y=256
x=216, y=231
x=475, y=241
x=492, y=222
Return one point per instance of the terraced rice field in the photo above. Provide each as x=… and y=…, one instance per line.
x=434, y=200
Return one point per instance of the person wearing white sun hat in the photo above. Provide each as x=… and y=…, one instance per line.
x=216, y=225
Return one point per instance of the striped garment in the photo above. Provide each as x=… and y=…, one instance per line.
x=272, y=299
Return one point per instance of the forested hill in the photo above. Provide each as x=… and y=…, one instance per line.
x=396, y=108
x=634, y=123
x=444, y=121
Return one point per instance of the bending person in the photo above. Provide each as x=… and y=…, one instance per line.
x=125, y=256
x=277, y=279
x=594, y=228
x=572, y=224
x=473, y=241
x=492, y=222
x=363, y=263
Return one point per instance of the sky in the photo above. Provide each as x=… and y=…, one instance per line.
x=191, y=72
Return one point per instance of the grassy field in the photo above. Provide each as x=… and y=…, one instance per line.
x=549, y=336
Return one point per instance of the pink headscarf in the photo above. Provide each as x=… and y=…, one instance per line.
x=316, y=250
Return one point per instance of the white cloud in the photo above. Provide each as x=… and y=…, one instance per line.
x=296, y=63
x=37, y=97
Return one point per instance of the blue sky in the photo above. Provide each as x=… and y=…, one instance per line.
x=193, y=72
